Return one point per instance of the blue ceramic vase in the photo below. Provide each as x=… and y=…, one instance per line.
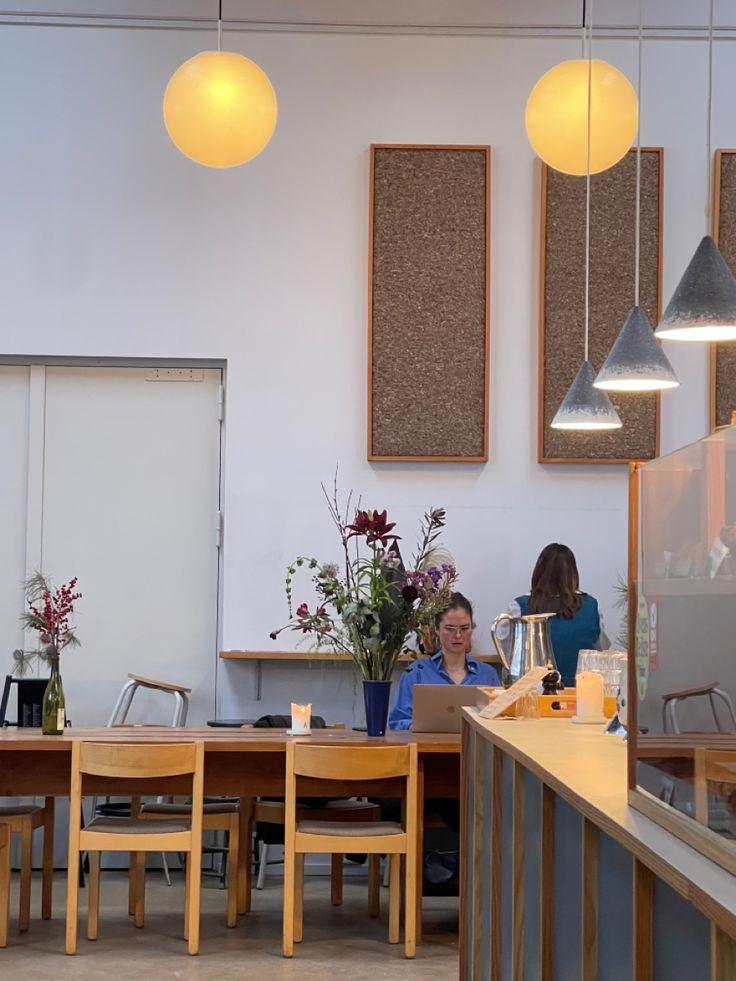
x=376, y=695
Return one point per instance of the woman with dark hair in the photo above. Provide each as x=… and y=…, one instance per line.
x=556, y=589
x=449, y=666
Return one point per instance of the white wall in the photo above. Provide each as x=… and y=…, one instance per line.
x=114, y=244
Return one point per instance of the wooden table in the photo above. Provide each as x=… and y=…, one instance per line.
x=242, y=763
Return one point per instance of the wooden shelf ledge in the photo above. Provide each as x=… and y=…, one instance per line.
x=320, y=656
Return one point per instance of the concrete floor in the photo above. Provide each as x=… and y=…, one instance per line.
x=338, y=942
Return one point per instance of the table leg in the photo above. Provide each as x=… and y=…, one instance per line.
x=48, y=858
x=420, y=844
x=245, y=865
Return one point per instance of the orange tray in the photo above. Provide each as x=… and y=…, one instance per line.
x=560, y=706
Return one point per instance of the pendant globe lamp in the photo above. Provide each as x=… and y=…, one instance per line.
x=636, y=362
x=585, y=407
x=557, y=111
x=703, y=307
x=219, y=107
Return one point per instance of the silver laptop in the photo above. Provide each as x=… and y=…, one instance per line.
x=437, y=707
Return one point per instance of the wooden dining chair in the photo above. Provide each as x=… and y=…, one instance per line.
x=4, y=883
x=134, y=762
x=349, y=810
x=359, y=765
x=216, y=816
x=23, y=820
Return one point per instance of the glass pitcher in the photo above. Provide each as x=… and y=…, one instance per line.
x=527, y=644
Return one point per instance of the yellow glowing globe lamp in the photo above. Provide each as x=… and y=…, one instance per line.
x=220, y=109
x=557, y=116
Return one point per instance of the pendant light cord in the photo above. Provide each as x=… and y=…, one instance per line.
x=708, y=203
x=637, y=233
x=587, y=179
x=219, y=26
x=582, y=32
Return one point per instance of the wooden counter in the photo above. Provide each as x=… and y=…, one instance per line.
x=572, y=881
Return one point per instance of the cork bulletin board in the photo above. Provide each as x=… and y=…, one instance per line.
x=562, y=299
x=428, y=322
x=723, y=356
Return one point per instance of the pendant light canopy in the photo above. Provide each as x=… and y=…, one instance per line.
x=220, y=107
x=585, y=407
x=636, y=362
x=556, y=114
x=703, y=307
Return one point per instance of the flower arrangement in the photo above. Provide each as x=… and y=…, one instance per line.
x=48, y=613
x=370, y=607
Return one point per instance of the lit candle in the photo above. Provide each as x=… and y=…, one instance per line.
x=301, y=718
x=589, y=692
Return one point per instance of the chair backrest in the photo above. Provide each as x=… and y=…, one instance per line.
x=284, y=721
x=30, y=700
x=359, y=764
x=350, y=762
x=136, y=760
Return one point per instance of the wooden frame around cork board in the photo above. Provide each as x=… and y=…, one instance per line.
x=562, y=284
x=723, y=356
x=429, y=303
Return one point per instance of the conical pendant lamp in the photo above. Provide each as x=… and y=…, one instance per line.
x=636, y=362
x=703, y=307
x=584, y=407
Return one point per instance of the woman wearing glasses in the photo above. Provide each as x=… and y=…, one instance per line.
x=449, y=666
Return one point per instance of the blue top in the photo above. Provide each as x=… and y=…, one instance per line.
x=431, y=671
x=581, y=632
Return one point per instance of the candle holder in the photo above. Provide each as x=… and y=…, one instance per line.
x=589, y=699
x=301, y=719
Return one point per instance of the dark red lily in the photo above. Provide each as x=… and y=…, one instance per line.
x=374, y=525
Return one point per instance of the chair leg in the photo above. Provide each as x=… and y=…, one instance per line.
x=394, y=899
x=262, y=864
x=412, y=903
x=47, y=882
x=72, y=903
x=336, y=880
x=93, y=898
x=4, y=890
x=187, y=894
x=139, y=902
x=165, y=866
x=132, y=866
x=299, y=899
x=25, y=874
x=233, y=872
x=374, y=885
x=194, y=892
x=289, y=888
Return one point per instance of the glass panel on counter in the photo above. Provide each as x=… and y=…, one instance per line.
x=685, y=628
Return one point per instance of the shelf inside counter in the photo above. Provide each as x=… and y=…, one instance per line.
x=689, y=586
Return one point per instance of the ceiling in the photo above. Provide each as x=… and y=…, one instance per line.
x=451, y=16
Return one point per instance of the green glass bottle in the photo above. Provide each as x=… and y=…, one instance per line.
x=54, y=705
